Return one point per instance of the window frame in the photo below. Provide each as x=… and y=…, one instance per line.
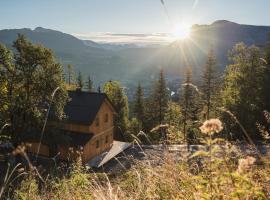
x=97, y=144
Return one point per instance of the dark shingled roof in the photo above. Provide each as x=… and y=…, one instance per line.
x=78, y=138
x=83, y=106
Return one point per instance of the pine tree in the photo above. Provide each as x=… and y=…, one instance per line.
x=243, y=92
x=187, y=95
x=139, y=109
x=117, y=95
x=99, y=89
x=190, y=108
x=70, y=74
x=89, y=84
x=209, y=85
x=159, y=100
x=80, y=81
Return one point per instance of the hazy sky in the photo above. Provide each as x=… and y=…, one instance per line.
x=84, y=17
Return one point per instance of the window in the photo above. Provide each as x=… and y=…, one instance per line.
x=106, y=118
x=97, y=121
x=97, y=144
x=106, y=139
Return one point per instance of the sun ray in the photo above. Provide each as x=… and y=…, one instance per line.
x=181, y=31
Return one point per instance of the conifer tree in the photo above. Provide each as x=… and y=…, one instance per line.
x=99, y=89
x=139, y=109
x=209, y=85
x=70, y=74
x=89, y=84
x=243, y=92
x=187, y=95
x=80, y=81
x=160, y=98
x=189, y=104
x=117, y=95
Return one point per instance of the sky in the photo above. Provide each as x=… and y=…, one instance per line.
x=114, y=20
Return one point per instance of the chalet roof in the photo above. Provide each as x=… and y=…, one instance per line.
x=83, y=106
x=79, y=139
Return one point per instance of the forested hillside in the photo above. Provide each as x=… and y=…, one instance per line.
x=130, y=64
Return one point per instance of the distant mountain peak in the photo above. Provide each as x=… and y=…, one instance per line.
x=222, y=22
x=41, y=29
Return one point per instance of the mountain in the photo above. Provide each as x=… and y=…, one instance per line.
x=132, y=63
x=97, y=62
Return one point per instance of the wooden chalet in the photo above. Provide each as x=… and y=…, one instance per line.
x=89, y=127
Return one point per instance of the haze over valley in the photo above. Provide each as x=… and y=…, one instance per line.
x=131, y=62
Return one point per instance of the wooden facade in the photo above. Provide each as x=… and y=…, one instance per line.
x=99, y=129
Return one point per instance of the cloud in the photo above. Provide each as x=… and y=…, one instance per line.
x=126, y=38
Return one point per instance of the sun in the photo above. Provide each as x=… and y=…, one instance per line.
x=181, y=32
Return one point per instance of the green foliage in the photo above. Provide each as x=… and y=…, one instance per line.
x=174, y=118
x=70, y=74
x=139, y=106
x=243, y=92
x=6, y=74
x=173, y=114
x=219, y=171
x=28, y=189
x=265, y=78
x=209, y=86
x=80, y=81
x=30, y=76
x=189, y=102
x=157, y=103
x=75, y=185
x=89, y=84
x=116, y=94
x=134, y=128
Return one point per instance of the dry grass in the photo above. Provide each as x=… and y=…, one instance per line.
x=167, y=179
x=221, y=172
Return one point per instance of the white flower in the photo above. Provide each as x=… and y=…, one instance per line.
x=211, y=126
x=245, y=164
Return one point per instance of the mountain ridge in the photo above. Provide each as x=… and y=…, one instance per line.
x=130, y=64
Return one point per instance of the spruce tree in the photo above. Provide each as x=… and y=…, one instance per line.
x=70, y=74
x=139, y=109
x=243, y=92
x=186, y=97
x=89, y=84
x=79, y=81
x=160, y=99
x=99, y=89
x=117, y=95
x=190, y=108
x=209, y=85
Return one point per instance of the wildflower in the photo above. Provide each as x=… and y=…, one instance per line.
x=20, y=149
x=20, y=170
x=211, y=126
x=245, y=164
